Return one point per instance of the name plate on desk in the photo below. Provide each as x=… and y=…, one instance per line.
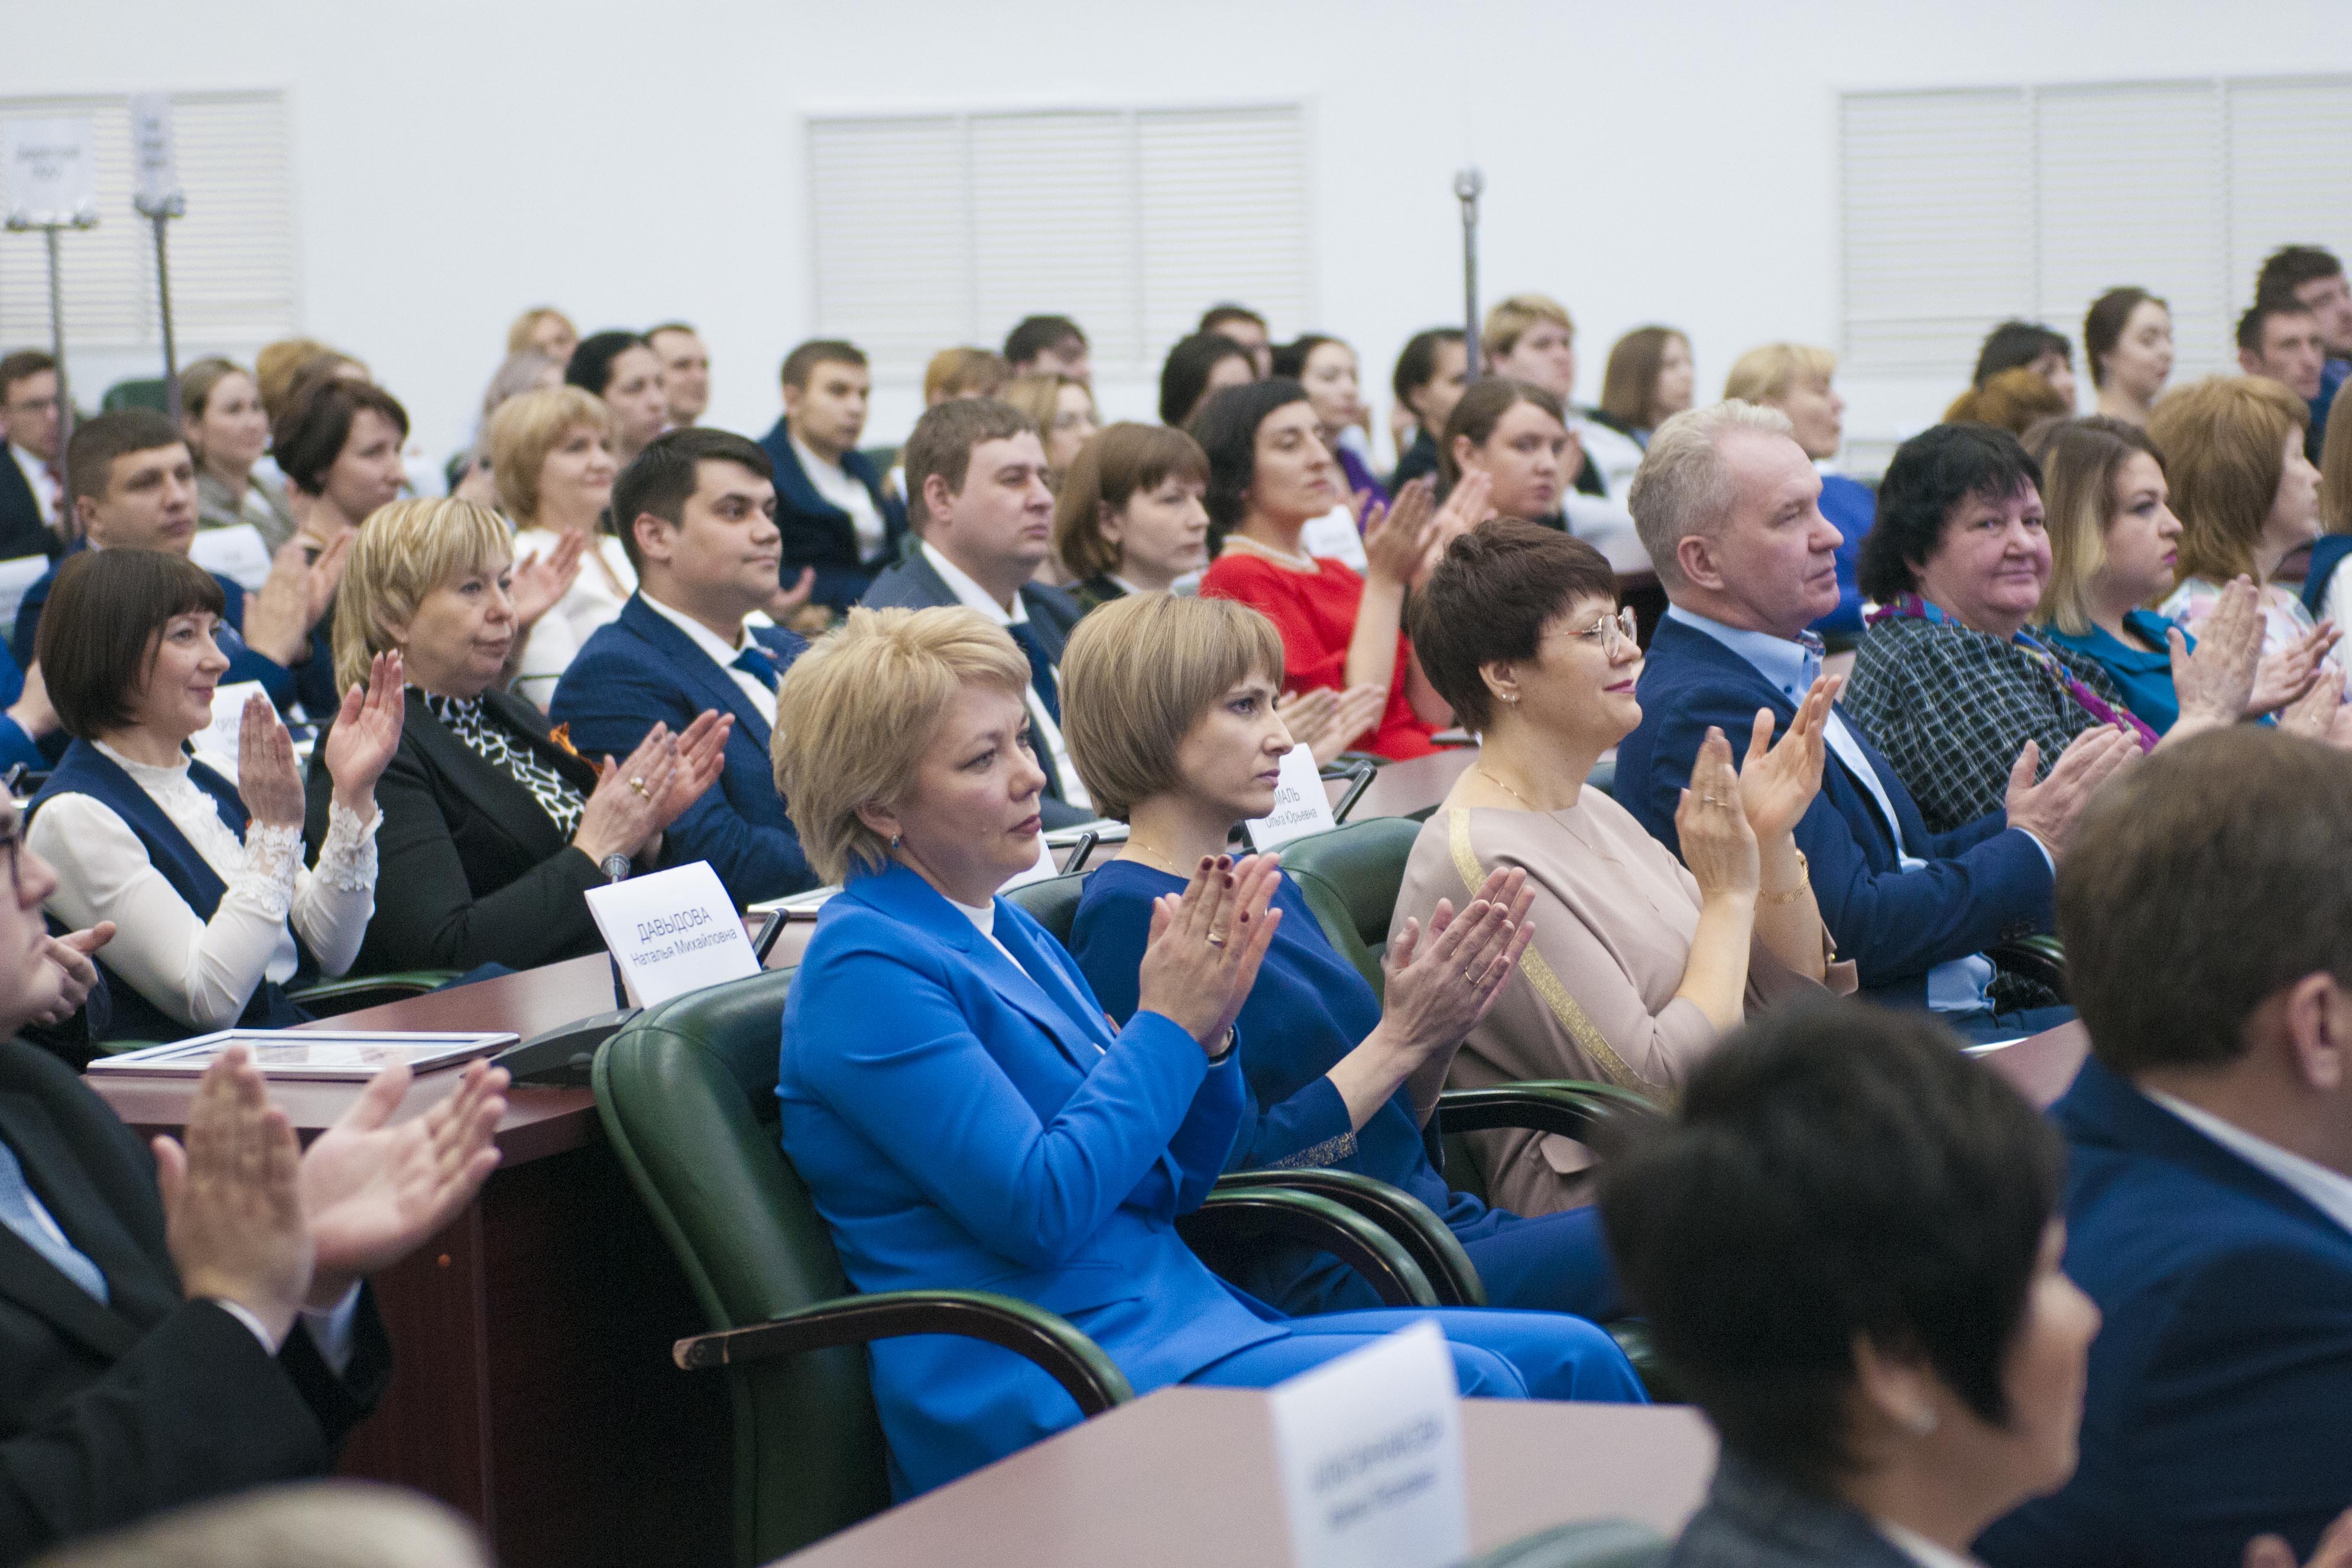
x=1370, y=1452
x=238, y=553
x=1301, y=805
x=672, y=932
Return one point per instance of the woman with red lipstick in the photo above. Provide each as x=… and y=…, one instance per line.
x=1638, y=964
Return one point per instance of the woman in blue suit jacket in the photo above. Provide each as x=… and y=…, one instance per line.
x=960, y=1106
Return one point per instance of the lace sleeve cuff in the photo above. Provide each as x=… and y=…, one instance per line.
x=347, y=860
x=272, y=856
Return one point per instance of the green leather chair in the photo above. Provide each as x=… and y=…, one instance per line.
x=138, y=392
x=1590, y=1543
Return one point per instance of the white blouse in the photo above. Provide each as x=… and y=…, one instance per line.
x=594, y=600
x=204, y=973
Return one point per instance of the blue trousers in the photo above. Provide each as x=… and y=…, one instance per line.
x=1536, y=1263
x=1496, y=1354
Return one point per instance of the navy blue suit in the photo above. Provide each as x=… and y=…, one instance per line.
x=22, y=532
x=1982, y=886
x=2220, y=1404
x=643, y=670
x=819, y=535
x=15, y=745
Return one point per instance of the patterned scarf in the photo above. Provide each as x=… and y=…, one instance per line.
x=470, y=722
x=2089, y=701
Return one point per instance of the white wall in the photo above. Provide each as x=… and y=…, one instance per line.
x=633, y=161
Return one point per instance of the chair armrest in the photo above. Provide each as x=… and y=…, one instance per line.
x=2042, y=958
x=349, y=995
x=1566, y=1106
x=1358, y=771
x=1230, y=1219
x=1405, y=1217
x=1086, y=1372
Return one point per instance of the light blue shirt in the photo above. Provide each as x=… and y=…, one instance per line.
x=1957, y=987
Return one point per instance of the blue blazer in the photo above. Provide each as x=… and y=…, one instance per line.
x=2221, y=1381
x=243, y=663
x=819, y=535
x=16, y=746
x=1850, y=507
x=1982, y=886
x=988, y=1131
x=641, y=670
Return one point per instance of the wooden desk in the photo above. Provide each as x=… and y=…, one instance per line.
x=1186, y=1476
x=2042, y=1065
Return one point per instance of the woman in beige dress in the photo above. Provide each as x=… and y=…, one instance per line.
x=1638, y=963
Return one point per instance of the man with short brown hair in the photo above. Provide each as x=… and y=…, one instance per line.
x=836, y=517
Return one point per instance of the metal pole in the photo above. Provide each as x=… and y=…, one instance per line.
x=1467, y=186
x=57, y=340
x=164, y=292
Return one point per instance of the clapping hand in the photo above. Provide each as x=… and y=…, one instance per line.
x=2333, y=1551
x=701, y=753
x=366, y=733
x=1470, y=504
x=623, y=814
x=279, y=615
x=2321, y=714
x=232, y=1203
x=1718, y=844
x=267, y=779
x=2048, y=810
x=1206, y=944
x=1327, y=721
x=2215, y=682
x=1396, y=536
x=1777, y=783
x=538, y=582
x=1438, y=989
x=2286, y=676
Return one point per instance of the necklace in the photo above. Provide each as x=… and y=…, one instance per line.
x=1507, y=789
x=1164, y=860
x=1298, y=562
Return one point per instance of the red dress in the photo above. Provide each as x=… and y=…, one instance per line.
x=1316, y=614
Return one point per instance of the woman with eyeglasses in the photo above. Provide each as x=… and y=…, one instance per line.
x=1638, y=964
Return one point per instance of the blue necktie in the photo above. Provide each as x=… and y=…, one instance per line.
x=1041, y=669
x=17, y=1213
x=754, y=661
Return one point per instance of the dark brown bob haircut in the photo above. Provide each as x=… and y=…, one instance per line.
x=1496, y=588
x=319, y=410
x=99, y=635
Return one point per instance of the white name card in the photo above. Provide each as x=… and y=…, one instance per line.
x=672, y=932
x=1370, y=1452
x=16, y=576
x=157, y=166
x=219, y=744
x=51, y=170
x=237, y=552
x=1301, y=805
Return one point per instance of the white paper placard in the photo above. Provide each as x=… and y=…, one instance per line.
x=1044, y=866
x=1301, y=804
x=1335, y=534
x=1369, y=1449
x=154, y=161
x=16, y=576
x=672, y=932
x=238, y=553
x=52, y=170
x=219, y=742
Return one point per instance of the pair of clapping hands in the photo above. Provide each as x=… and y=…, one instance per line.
x=2227, y=677
x=1405, y=540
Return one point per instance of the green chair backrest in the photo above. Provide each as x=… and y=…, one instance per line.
x=152, y=392
x=688, y=1095
x=1053, y=902
x=1351, y=876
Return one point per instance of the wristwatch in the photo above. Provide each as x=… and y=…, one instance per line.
x=616, y=867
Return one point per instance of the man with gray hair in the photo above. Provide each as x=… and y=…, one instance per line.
x=1729, y=507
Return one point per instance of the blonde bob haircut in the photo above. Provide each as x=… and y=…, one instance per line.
x=856, y=712
x=1514, y=317
x=1769, y=374
x=1139, y=673
x=2079, y=461
x=402, y=553
x=524, y=334
x=527, y=426
x=2224, y=445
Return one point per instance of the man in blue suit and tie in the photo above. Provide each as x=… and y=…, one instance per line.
x=1729, y=507
x=697, y=513
x=2207, y=919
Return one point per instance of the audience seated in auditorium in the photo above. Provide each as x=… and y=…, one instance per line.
x=2113, y=539
x=1128, y=517
x=1638, y=964
x=2280, y=339
x=552, y=454
x=1432, y=371
x=835, y=516
x=991, y=1129
x=1325, y=366
x=1648, y=379
x=2014, y=400
x=1270, y=475
x=1513, y=435
x=701, y=528
x=1197, y=367
x=621, y=369
x=2313, y=279
x=976, y=476
x=1173, y=718
x=2208, y=1188
x=1063, y=409
x=134, y=488
x=310, y=1524
x=2127, y=343
x=35, y=517
x=686, y=371
x=1048, y=346
x=1847, y=1244
x=203, y=876
x=1796, y=379
x=227, y=431
x=492, y=826
x=547, y=330
x=2028, y=346
x=1730, y=506
x=964, y=372
x=1245, y=326
x=2246, y=495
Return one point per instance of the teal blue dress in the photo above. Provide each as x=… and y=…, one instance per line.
x=2144, y=678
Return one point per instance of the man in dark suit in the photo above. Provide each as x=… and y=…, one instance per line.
x=1729, y=509
x=186, y=1324
x=700, y=529
x=836, y=515
x=984, y=522
x=2208, y=922
x=33, y=507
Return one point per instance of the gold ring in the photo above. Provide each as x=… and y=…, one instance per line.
x=1713, y=800
x=1214, y=940
x=639, y=785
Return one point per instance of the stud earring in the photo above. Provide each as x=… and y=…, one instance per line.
x=894, y=843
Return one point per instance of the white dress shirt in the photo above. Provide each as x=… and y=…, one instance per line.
x=2330, y=1192
x=1926, y=1553
x=593, y=602
x=203, y=972
x=48, y=493
x=762, y=696
x=972, y=596
x=836, y=485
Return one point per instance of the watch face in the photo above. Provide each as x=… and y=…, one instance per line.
x=616, y=867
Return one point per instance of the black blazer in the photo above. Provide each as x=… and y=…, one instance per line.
x=470, y=868
x=819, y=535
x=22, y=532
x=109, y=1413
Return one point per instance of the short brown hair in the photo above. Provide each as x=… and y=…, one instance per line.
x=1139, y=674
x=941, y=443
x=2080, y=459
x=964, y=372
x=1512, y=319
x=1123, y=461
x=803, y=361
x=528, y=426
x=2014, y=400
x=2103, y=323
x=1629, y=386
x=1481, y=409
x=856, y=713
x=98, y=442
x=1493, y=593
x=98, y=633
x=2224, y=441
x=308, y=438
x=198, y=379
x=280, y=364
x=23, y=365
x=2199, y=884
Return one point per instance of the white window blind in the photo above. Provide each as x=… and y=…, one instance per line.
x=233, y=262
x=931, y=230
x=1961, y=208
